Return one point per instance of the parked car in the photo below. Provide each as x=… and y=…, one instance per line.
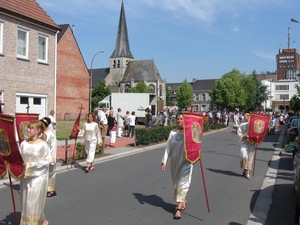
x=290, y=119
x=296, y=178
x=292, y=131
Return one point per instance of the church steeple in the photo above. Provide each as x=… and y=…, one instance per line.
x=122, y=54
x=122, y=48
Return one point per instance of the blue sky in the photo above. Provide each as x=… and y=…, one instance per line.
x=201, y=39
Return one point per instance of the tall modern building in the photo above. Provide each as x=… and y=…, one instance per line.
x=288, y=64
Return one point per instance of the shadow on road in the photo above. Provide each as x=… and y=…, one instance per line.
x=155, y=201
x=10, y=219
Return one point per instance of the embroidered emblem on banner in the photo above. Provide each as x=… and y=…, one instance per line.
x=193, y=132
x=258, y=125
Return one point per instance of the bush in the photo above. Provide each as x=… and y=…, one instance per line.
x=145, y=136
x=148, y=136
x=80, y=152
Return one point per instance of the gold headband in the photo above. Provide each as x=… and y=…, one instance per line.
x=46, y=122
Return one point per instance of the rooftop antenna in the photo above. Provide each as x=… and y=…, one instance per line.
x=73, y=28
x=289, y=32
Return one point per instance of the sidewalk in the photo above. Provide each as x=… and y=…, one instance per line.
x=121, y=144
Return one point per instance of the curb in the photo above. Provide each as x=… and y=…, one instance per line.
x=259, y=214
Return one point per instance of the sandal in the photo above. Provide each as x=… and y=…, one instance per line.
x=183, y=207
x=51, y=193
x=177, y=217
x=247, y=174
x=45, y=222
x=87, y=169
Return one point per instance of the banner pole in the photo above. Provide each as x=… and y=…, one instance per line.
x=13, y=200
x=74, y=152
x=255, y=150
x=204, y=185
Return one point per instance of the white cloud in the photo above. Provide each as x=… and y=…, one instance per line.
x=270, y=56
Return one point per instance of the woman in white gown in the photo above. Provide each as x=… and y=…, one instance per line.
x=36, y=155
x=92, y=137
x=51, y=141
x=181, y=169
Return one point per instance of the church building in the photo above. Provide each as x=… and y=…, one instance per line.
x=125, y=72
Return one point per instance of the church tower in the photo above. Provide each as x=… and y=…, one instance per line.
x=121, y=54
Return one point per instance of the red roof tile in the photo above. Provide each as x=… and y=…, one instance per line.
x=28, y=9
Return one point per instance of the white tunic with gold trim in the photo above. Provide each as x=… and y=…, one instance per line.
x=181, y=169
x=247, y=149
x=51, y=141
x=34, y=185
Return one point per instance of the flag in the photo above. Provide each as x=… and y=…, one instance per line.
x=193, y=133
x=74, y=133
x=258, y=125
x=22, y=121
x=10, y=157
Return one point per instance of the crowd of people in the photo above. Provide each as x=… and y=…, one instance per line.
x=39, y=153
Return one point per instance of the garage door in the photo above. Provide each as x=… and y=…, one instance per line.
x=36, y=103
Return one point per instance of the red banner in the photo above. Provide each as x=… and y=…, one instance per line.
x=258, y=125
x=193, y=133
x=74, y=133
x=10, y=156
x=22, y=121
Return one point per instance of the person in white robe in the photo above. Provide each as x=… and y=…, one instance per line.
x=120, y=123
x=92, y=138
x=181, y=169
x=33, y=187
x=52, y=125
x=247, y=149
x=52, y=142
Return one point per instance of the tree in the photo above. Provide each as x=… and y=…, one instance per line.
x=229, y=92
x=295, y=103
x=249, y=85
x=262, y=93
x=168, y=96
x=184, y=95
x=141, y=87
x=99, y=93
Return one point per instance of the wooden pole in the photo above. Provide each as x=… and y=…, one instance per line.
x=254, y=160
x=13, y=200
x=74, y=152
x=204, y=185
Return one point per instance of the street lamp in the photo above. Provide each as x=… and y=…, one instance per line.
x=295, y=21
x=91, y=77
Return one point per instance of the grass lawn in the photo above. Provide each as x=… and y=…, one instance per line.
x=64, y=128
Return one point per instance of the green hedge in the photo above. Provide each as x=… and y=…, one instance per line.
x=146, y=136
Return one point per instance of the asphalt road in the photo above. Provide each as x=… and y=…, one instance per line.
x=133, y=190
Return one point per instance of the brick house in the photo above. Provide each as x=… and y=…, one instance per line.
x=27, y=57
x=72, y=77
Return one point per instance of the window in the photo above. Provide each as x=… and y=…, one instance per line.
x=151, y=88
x=282, y=87
x=292, y=74
x=1, y=96
x=284, y=97
x=22, y=45
x=37, y=101
x=1, y=37
x=203, y=97
x=160, y=90
x=24, y=100
x=42, y=48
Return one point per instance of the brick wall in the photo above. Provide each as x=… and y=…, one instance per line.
x=25, y=76
x=72, y=79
